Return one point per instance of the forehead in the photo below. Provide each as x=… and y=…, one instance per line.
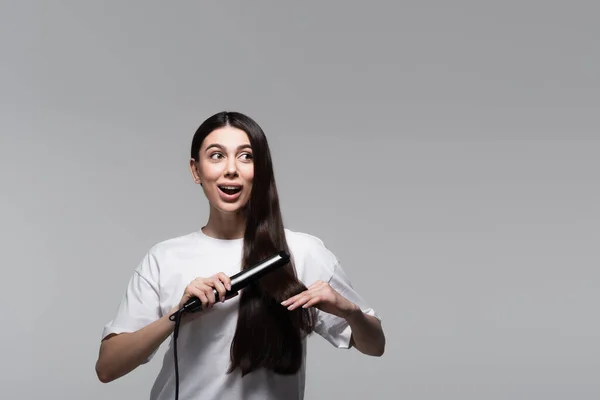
x=227, y=136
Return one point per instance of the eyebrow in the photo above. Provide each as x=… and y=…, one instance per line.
x=240, y=147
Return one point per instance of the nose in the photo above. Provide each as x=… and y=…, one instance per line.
x=230, y=168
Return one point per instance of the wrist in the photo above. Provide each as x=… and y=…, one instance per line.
x=353, y=313
x=185, y=317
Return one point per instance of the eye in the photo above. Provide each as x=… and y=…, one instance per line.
x=216, y=155
x=246, y=156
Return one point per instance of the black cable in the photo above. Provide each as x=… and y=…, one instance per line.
x=177, y=317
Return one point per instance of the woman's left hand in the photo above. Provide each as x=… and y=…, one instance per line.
x=325, y=298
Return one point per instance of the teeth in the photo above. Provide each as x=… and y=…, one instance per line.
x=230, y=187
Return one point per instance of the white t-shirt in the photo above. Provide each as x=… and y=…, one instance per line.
x=203, y=345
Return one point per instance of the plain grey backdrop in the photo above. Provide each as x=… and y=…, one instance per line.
x=447, y=152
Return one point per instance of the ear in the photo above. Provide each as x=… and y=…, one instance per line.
x=195, y=172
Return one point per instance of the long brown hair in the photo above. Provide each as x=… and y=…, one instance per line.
x=267, y=334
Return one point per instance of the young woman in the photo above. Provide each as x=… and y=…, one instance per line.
x=251, y=346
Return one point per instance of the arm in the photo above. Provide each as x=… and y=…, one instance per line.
x=121, y=353
x=367, y=333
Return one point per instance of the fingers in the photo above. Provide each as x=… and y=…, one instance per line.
x=218, y=285
x=317, y=294
x=301, y=299
x=308, y=299
x=203, y=289
x=292, y=299
x=225, y=280
x=222, y=283
x=203, y=292
x=195, y=289
x=208, y=291
x=312, y=302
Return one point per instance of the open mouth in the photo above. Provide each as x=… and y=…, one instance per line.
x=230, y=190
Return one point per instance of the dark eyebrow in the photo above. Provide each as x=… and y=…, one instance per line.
x=240, y=147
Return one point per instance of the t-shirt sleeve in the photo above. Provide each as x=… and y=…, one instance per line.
x=140, y=304
x=332, y=328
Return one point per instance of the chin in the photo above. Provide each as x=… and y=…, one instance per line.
x=231, y=208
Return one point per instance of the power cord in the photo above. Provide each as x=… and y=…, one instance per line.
x=177, y=318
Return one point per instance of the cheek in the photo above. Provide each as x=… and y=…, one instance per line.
x=211, y=172
x=247, y=173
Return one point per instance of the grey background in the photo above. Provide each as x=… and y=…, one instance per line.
x=447, y=152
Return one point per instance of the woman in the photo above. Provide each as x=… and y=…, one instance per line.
x=251, y=346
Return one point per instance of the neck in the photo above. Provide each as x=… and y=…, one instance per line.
x=225, y=226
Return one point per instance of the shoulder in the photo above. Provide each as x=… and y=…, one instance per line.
x=302, y=238
x=164, y=250
x=312, y=258
x=174, y=244
x=303, y=242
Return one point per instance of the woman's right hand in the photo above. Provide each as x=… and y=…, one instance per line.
x=202, y=288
